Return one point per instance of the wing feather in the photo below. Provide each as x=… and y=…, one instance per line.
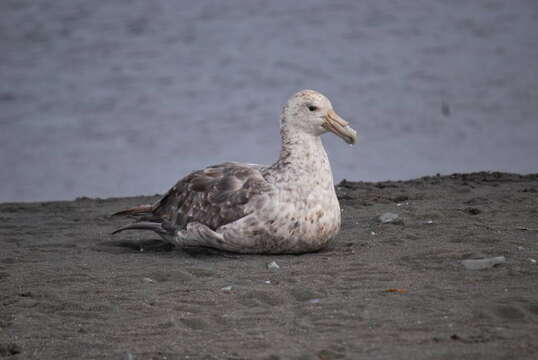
x=215, y=196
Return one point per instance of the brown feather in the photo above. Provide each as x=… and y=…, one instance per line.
x=214, y=196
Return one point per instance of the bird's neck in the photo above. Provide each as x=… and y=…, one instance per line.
x=303, y=155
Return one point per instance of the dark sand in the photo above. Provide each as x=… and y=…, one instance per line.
x=70, y=290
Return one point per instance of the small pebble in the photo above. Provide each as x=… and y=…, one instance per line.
x=314, y=301
x=227, y=288
x=520, y=248
x=372, y=233
x=533, y=260
x=480, y=264
x=429, y=222
x=268, y=281
x=273, y=265
x=147, y=279
x=388, y=217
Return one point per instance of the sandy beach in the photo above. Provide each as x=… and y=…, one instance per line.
x=394, y=290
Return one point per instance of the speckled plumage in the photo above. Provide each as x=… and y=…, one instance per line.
x=288, y=207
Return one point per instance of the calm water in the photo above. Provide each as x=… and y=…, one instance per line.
x=114, y=98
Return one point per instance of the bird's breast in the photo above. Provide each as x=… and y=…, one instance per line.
x=306, y=213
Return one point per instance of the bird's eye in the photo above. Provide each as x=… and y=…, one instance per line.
x=312, y=108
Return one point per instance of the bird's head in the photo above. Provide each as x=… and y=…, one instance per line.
x=311, y=112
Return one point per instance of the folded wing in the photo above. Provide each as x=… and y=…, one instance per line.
x=214, y=196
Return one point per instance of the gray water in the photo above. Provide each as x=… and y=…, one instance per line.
x=113, y=98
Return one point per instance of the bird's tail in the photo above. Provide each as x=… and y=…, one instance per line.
x=137, y=210
x=160, y=228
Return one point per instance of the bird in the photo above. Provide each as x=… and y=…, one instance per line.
x=289, y=207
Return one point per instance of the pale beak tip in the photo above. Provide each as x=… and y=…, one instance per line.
x=352, y=137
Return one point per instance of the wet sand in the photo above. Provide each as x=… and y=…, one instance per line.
x=382, y=291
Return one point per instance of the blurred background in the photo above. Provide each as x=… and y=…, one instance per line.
x=123, y=97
